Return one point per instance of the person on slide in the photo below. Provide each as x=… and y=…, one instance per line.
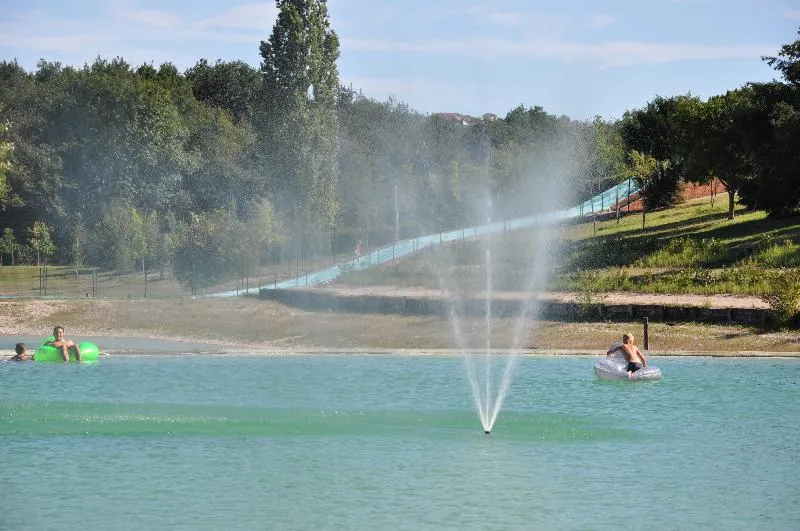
x=633, y=355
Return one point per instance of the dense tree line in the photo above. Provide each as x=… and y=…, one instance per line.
x=225, y=166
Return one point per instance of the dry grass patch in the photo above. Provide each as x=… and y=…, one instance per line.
x=257, y=323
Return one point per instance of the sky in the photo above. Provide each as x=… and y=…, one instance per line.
x=579, y=58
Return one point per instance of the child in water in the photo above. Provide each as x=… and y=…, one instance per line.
x=65, y=345
x=21, y=353
x=633, y=355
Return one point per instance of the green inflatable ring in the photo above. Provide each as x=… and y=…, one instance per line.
x=48, y=353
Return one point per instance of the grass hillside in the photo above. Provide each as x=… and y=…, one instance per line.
x=692, y=248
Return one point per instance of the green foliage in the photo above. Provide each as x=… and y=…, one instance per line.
x=609, y=152
x=783, y=296
x=214, y=246
x=337, y=167
x=772, y=111
x=590, y=298
x=659, y=182
x=40, y=240
x=685, y=251
x=234, y=87
x=8, y=244
x=5, y=165
x=660, y=138
x=788, y=61
x=119, y=238
x=777, y=253
x=79, y=240
x=301, y=83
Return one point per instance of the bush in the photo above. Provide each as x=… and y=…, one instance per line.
x=783, y=296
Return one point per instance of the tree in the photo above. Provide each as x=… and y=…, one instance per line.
x=610, y=154
x=773, y=115
x=769, y=117
x=8, y=244
x=787, y=62
x=40, y=239
x=233, y=87
x=77, y=249
x=222, y=175
x=301, y=83
x=119, y=238
x=379, y=161
x=5, y=165
x=663, y=130
x=155, y=242
x=200, y=256
x=719, y=152
x=646, y=169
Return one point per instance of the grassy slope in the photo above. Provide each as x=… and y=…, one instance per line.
x=692, y=248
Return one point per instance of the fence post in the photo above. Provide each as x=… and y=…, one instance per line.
x=629, y=194
x=646, y=335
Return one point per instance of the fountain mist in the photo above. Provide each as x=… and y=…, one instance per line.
x=544, y=179
x=490, y=370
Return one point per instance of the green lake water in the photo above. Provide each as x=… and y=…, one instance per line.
x=394, y=442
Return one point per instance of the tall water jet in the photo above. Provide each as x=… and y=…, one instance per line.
x=538, y=170
x=489, y=372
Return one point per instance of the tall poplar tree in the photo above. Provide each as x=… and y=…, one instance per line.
x=301, y=82
x=5, y=164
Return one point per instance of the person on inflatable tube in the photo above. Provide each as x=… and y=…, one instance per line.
x=64, y=344
x=633, y=355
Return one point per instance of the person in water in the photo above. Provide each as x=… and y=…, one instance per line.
x=21, y=353
x=64, y=344
x=633, y=355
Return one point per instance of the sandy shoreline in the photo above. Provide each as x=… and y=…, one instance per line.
x=248, y=326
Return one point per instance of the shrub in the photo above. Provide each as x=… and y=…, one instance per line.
x=783, y=296
x=589, y=301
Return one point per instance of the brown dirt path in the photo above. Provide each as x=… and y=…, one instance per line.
x=707, y=301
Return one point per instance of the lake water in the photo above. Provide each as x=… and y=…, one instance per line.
x=393, y=442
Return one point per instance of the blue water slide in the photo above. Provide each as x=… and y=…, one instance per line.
x=402, y=248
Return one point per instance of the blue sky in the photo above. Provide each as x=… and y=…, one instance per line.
x=580, y=58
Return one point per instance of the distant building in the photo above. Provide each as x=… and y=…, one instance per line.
x=453, y=117
x=464, y=119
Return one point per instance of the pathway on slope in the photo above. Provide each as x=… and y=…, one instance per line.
x=402, y=248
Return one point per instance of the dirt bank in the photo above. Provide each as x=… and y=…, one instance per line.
x=250, y=325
